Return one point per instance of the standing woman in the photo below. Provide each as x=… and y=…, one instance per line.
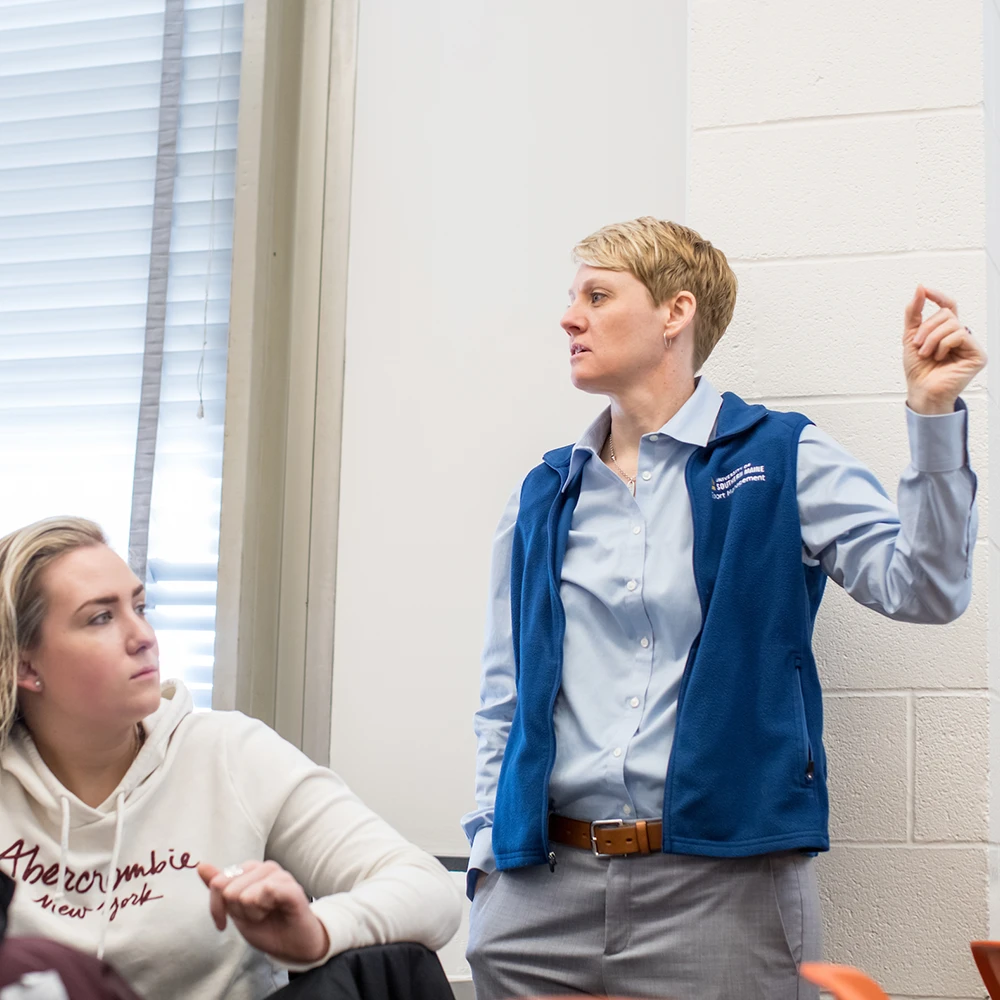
x=119, y=805
x=651, y=779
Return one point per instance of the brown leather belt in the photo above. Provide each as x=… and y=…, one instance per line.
x=608, y=837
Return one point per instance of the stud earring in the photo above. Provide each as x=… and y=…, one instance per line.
x=38, y=683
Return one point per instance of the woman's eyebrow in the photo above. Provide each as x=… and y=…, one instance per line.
x=586, y=286
x=110, y=599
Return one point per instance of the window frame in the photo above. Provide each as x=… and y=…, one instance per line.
x=281, y=459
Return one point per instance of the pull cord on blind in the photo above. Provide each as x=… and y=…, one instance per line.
x=156, y=296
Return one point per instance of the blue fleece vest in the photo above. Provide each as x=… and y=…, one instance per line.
x=747, y=771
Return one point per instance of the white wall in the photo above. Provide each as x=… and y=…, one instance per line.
x=488, y=139
x=838, y=156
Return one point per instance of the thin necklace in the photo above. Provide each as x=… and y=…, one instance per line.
x=629, y=480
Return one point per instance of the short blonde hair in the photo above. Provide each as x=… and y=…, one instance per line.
x=24, y=556
x=669, y=258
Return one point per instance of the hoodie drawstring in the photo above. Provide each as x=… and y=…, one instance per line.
x=63, y=849
x=115, y=852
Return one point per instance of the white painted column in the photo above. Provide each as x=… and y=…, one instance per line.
x=489, y=138
x=838, y=157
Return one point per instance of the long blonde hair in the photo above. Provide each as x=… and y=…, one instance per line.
x=24, y=556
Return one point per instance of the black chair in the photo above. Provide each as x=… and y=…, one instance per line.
x=382, y=972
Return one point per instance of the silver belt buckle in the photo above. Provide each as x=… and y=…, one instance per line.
x=599, y=824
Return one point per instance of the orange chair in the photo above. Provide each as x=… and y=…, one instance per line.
x=844, y=982
x=987, y=956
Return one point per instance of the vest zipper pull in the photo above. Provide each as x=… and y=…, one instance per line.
x=552, y=861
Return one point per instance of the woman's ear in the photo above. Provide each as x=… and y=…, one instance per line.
x=27, y=677
x=680, y=310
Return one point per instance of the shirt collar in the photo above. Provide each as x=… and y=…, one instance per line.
x=693, y=423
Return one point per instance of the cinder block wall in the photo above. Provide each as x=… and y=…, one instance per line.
x=839, y=156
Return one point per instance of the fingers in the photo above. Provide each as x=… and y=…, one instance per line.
x=974, y=350
x=231, y=888
x=941, y=331
x=915, y=308
x=944, y=301
x=943, y=322
x=219, y=883
x=207, y=872
x=932, y=323
x=274, y=891
x=951, y=342
x=258, y=891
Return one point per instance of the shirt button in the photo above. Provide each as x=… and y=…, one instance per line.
x=644, y=642
x=617, y=751
x=631, y=585
x=637, y=529
x=647, y=475
x=634, y=702
x=654, y=437
x=627, y=810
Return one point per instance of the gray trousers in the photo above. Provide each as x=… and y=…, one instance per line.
x=659, y=925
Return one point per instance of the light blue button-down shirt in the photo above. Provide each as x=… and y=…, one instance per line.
x=632, y=607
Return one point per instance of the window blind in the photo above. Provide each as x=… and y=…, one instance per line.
x=80, y=88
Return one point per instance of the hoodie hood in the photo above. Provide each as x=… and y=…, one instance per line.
x=22, y=761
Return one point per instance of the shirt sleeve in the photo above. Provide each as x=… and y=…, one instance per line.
x=911, y=562
x=369, y=884
x=498, y=698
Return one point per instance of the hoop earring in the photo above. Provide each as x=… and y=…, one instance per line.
x=668, y=342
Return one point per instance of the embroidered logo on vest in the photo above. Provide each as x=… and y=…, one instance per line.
x=727, y=485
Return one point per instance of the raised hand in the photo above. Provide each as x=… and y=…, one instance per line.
x=268, y=907
x=940, y=355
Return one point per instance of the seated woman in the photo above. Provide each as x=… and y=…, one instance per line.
x=119, y=805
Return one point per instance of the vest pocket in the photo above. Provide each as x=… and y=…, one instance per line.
x=808, y=762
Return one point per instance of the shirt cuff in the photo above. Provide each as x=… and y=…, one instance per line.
x=340, y=936
x=481, y=858
x=939, y=442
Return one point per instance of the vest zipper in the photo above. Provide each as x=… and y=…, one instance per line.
x=553, y=521
x=692, y=652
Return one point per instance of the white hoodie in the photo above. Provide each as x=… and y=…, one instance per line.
x=216, y=787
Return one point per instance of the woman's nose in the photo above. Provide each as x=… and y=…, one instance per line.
x=572, y=320
x=142, y=636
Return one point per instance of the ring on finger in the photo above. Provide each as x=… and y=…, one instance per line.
x=232, y=871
